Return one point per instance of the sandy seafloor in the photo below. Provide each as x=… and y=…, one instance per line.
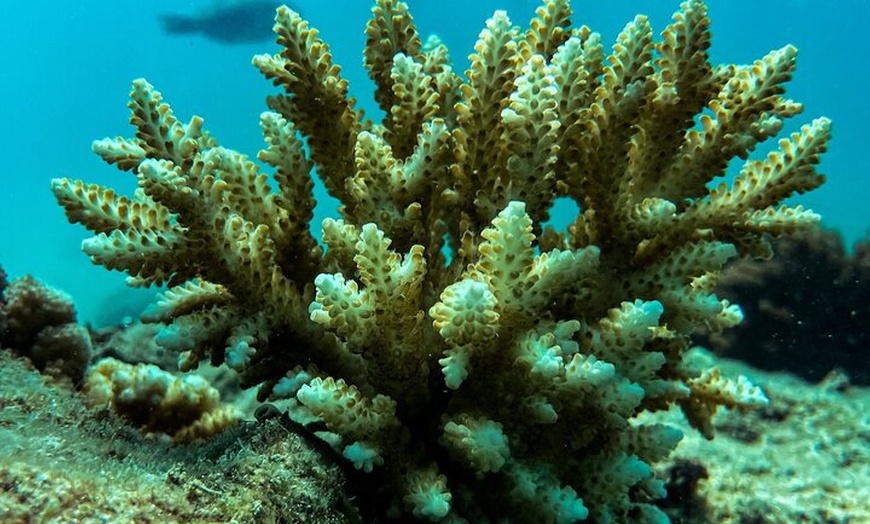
x=803, y=459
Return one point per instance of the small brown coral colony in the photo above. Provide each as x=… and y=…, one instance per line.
x=482, y=368
x=39, y=322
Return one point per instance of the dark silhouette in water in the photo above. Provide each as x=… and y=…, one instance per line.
x=235, y=22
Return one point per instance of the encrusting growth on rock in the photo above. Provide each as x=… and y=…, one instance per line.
x=481, y=366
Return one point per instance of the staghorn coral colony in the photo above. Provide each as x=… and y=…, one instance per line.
x=481, y=367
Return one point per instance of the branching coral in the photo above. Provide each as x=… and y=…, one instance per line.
x=183, y=408
x=485, y=369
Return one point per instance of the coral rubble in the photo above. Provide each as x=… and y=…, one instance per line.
x=803, y=458
x=480, y=366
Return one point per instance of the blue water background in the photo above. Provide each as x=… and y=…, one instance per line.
x=67, y=69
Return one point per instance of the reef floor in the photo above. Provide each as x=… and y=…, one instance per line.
x=803, y=459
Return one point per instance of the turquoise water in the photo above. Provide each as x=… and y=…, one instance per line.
x=68, y=66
